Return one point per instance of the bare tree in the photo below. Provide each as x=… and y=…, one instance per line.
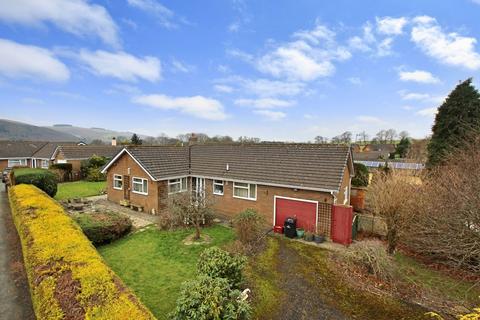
x=389, y=195
x=390, y=135
x=363, y=137
x=381, y=136
x=192, y=209
x=403, y=134
x=321, y=140
x=418, y=150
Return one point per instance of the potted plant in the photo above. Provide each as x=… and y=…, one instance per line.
x=308, y=236
x=319, y=238
x=300, y=232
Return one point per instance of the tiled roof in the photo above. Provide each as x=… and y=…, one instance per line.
x=19, y=149
x=301, y=165
x=371, y=155
x=162, y=161
x=46, y=152
x=85, y=152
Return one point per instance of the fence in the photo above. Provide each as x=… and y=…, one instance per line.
x=372, y=224
x=324, y=219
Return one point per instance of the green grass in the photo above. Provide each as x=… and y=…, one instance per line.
x=22, y=171
x=436, y=281
x=79, y=189
x=155, y=263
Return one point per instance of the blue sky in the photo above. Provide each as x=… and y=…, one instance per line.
x=279, y=70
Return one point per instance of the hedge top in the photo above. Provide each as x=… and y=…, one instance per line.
x=26, y=171
x=67, y=276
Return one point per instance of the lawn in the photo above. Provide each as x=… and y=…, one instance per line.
x=155, y=263
x=79, y=189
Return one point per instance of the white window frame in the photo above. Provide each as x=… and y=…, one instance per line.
x=116, y=178
x=17, y=162
x=141, y=182
x=218, y=183
x=61, y=161
x=42, y=162
x=250, y=197
x=183, y=182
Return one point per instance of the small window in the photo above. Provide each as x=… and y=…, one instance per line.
x=117, y=182
x=218, y=187
x=17, y=162
x=245, y=190
x=177, y=185
x=45, y=164
x=140, y=185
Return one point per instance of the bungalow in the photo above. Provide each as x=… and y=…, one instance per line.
x=278, y=180
x=18, y=153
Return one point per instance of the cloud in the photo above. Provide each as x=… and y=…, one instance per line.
x=391, y=26
x=78, y=17
x=223, y=88
x=355, y=80
x=422, y=97
x=370, y=120
x=29, y=100
x=239, y=54
x=179, y=66
x=197, y=106
x=264, y=103
x=264, y=87
x=428, y=112
x=271, y=115
x=25, y=61
x=418, y=76
x=164, y=15
x=121, y=65
x=447, y=48
x=368, y=42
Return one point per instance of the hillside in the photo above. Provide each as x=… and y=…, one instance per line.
x=89, y=134
x=13, y=130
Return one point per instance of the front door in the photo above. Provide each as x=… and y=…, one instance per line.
x=126, y=187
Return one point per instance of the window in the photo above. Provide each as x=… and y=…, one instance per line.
x=61, y=161
x=218, y=187
x=140, y=185
x=245, y=190
x=17, y=162
x=45, y=164
x=117, y=182
x=177, y=185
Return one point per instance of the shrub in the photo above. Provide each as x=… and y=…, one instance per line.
x=62, y=170
x=68, y=278
x=249, y=229
x=210, y=298
x=94, y=175
x=217, y=263
x=104, y=227
x=370, y=255
x=94, y=162
x=41, y=178
x=62, y=166
x=361, y=177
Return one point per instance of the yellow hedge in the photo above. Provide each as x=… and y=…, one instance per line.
x=67, y=276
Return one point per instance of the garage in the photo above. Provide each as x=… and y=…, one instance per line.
x=304, y=210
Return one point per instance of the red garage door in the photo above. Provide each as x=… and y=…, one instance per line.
x=305, y=211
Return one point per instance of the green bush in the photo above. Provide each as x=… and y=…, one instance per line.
x=249, y=227
x=217, y=263
x=208, y=298
x=95, y=175
x=361, y=175
x=94, y=162
x=62, y=166
x=41, y=178
x=105, y=227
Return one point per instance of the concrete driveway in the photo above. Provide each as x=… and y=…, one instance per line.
x=15, y=302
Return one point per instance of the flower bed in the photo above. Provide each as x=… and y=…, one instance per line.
x=67, y=276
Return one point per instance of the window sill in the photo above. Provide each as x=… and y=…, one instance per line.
x=141, y=193
x=218, y=194
x=249, y=199
x=117, y=188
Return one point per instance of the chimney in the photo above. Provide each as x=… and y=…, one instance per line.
x=193, y=139
x=114, y=141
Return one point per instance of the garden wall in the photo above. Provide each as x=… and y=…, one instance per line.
x=68, y=278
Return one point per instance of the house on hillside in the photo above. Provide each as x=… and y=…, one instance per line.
x=278, y=180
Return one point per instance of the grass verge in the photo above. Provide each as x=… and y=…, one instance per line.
x=79, y=189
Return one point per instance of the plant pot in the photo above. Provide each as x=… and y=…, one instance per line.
x=319, y=239
x=300, y=232
x=308, y=237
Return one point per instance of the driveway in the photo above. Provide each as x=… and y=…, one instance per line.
x=15, y=302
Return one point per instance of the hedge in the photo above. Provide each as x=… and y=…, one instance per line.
x=41, y=178
x=68, y=278
x=103, y=227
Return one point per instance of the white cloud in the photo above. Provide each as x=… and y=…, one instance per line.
x=368, y=42
x=239, y=54
x=391, y=26
x=179, y=66
x=271, y=115
x=122, y=65
x=355, y=80
x=428, y=112
x=24, y=61
x=29, y=100
x=265, y=87
x=448, y=48
x=223, y=88
x=197, y=106
x=422, y=97
x=418, y=76
x=164, y=15
x=370, y=120
x=78, y=17
x=264, y=103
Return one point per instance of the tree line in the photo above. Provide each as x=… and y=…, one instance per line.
x=381, y=137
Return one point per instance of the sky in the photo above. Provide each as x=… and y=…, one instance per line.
x=279, y=70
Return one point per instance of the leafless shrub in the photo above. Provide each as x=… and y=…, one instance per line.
x=250, y=229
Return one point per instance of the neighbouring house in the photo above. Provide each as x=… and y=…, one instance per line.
x=382, y=147
x=18, y=153
x=371, y=155
x=278, y=180
x=75, y=154
x=43, y=157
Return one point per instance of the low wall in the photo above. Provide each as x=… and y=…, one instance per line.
x=68, y=278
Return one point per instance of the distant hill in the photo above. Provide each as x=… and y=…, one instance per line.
x=13, y=130
x=89, y=134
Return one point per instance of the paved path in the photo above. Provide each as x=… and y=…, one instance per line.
x=15, y=300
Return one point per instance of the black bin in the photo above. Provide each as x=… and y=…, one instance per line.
x=290, y=227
